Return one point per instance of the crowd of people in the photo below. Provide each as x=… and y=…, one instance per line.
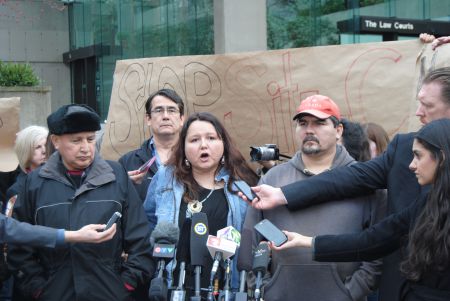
x=372, y=213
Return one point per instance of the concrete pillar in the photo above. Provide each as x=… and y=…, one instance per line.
x=239, y=25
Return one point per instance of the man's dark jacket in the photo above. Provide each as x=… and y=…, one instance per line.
x=17, y=186
x=133, y=160
x=388, y=171
x=82, y=271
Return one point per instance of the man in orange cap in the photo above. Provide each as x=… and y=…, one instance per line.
x=317, y=131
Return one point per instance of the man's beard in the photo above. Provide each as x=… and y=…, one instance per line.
x=311, y=149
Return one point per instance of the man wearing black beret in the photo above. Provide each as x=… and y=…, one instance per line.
x=74, y=188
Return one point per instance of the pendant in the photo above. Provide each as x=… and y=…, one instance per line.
x=194, y=207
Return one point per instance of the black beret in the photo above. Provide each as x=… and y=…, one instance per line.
x=73, y=118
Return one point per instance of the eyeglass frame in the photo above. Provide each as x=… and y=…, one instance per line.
x=160, y=110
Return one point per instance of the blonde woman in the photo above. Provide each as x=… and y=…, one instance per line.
x=31, y=151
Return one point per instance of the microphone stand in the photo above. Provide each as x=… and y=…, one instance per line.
x=198, y=271
x=210, y=296
x=179, y=294
x=226, y=286
x=241, y=295
x=258, y=286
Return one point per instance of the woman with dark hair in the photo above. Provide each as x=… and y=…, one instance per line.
x=426, y=224
x=198, y=178
x=355, y=140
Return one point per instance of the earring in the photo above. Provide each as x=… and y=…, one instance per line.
x=187, y=163
x=222, y=161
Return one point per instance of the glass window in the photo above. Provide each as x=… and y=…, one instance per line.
x=130, y=29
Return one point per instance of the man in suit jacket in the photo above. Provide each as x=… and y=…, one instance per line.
x=388, y=171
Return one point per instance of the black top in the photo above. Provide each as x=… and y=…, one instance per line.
x=6, y=180
x=380, y=240
x=216, y=209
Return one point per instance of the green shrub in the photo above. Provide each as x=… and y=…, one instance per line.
x=17, y=75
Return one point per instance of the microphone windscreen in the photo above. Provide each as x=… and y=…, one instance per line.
x=165, y=233
x=245, y=258
x=184, y=244
x=261, y=258
x=199, y=237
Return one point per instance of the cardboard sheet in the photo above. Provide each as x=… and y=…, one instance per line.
x=255, y=94
x=9, y=126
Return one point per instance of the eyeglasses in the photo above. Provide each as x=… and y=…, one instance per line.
x=168, y=110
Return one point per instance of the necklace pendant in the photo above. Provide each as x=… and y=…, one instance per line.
x=195, y=207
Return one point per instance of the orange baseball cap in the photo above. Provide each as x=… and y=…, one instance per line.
x=319, y=106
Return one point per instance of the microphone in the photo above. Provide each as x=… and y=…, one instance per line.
x=244, y=262
x=261, y=260
x=230, y=233
x=221, y=248
x=183, y=257
x=199, y=236
x=163, y=239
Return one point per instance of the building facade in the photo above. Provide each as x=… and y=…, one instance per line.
x=37, y=32
x=74, y=44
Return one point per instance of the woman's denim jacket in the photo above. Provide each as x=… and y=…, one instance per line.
x=164, y=198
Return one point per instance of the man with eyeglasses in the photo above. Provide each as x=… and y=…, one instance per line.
x=164, y=116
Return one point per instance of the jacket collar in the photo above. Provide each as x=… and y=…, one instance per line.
x=97, y=174
x=223, y=174
x=341, y=158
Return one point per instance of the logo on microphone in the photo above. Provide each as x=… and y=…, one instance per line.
x=164, y=250
x=200, y=229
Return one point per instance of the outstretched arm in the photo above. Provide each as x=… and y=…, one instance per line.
x=15, y=232
x=90, y=234
x=372, y=243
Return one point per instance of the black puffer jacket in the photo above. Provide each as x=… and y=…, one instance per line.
x=82, y=271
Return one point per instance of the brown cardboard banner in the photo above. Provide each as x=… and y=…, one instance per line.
x=255, y=94
x=9, y=126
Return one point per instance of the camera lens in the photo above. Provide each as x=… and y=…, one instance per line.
x=263, y=153
x=255, y=153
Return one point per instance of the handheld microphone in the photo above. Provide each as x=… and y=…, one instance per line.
x=230, y=233
x=199, y=236
x=261, y=260
x=220, y=249
x=163, y=239
x=244, y=262
x=183, y=257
